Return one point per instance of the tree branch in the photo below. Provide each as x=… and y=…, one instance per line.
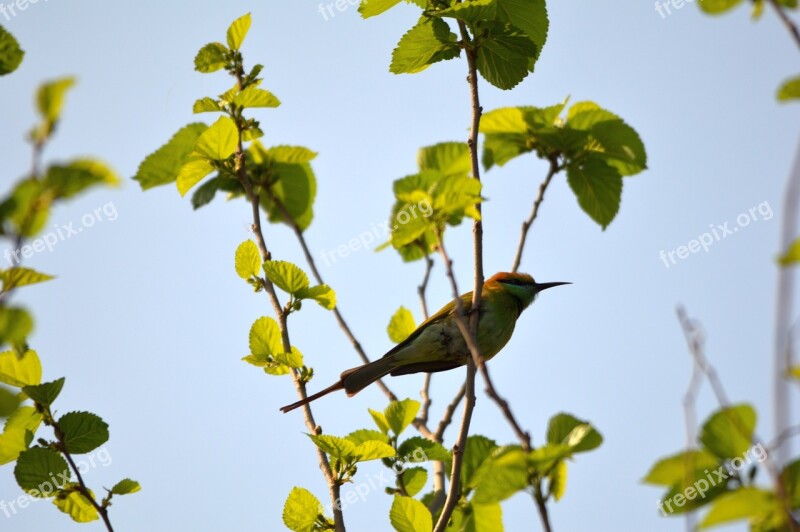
x=475, y=360
x=526, y=225
x=788, y=22
x=695, y=341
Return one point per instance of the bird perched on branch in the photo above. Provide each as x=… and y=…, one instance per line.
x=438, y=345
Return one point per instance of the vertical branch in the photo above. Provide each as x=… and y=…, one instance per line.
x=475, y=359
x=526, y=225
x=426, y=385
x=783, y=356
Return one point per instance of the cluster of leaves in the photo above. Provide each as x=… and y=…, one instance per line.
x=43, y=470
x=505, y=37
x=790, y=89
x=266, y=346
x=595, y=147
x=24, y=211
x=281, y=176
x=714, y=474
x=441, y=194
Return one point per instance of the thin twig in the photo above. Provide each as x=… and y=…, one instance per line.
x=334, y=487
x=789, y=433
x=526, y=225
x=694, y=339
x=447, y=418
x=541, y=505
x=690, y=418
x=62, y=447
x=788, y=22
x=523, y=436
x=315, y=272
x=426, y=385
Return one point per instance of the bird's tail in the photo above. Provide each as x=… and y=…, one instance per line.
x=356, y=379
x=326, y=391
x=351, y=381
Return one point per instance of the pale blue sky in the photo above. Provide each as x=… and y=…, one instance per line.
x=148, y=320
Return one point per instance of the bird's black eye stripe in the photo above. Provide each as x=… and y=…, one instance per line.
x=513, y=281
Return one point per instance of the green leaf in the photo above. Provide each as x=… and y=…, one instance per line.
x=790, y=477
x=292, y=360
x=370, y=8
x=22, y=370
x=400, y=414
x=69, y=180
x=206, y=105
x=429, y=42
x=617, y=141
x=295, y=187
x=9, y=402
x=373, y=450
x=125, y=487
x=409, y=515
x=418, y=449
x=744, y=503
x=162, y=166
x=792, y=255
x=36, y=466
x=18, y=433
x=676, y=469
x=380, y=420
x=578, y=435
x=192, y=173
x=414, y=479
x=558, y=480
x=45, y=393
x=219, y=141
x=728, y=433
x=211, y=57
x=286, y=276
x=238, y=31
x=364, y=435
x=448, y=158
x=500, y=476
x=478, y=449
x=505, y=57
x=321, y=293
x=290, y=154
x=50, y=98
x=252, y=96
x=717, y=7
x=15, y=326
x=76, y=505
x=265, y=337
x=83, y=431
x=248, y=260
x=483, y=518
x=334, y=446
x=205, y=193
x=598, y=188
x=19, y=276
x=301, y=510
x=789, y=90
x=401, y=325
x=10, y=53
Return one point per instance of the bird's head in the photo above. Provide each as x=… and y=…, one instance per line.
x=520, y=285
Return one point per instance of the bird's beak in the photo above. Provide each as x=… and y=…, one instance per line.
x=545, y=286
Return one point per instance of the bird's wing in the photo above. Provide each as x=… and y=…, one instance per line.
x=444, y=312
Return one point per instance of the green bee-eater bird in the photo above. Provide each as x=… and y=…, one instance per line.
x=437, y=344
